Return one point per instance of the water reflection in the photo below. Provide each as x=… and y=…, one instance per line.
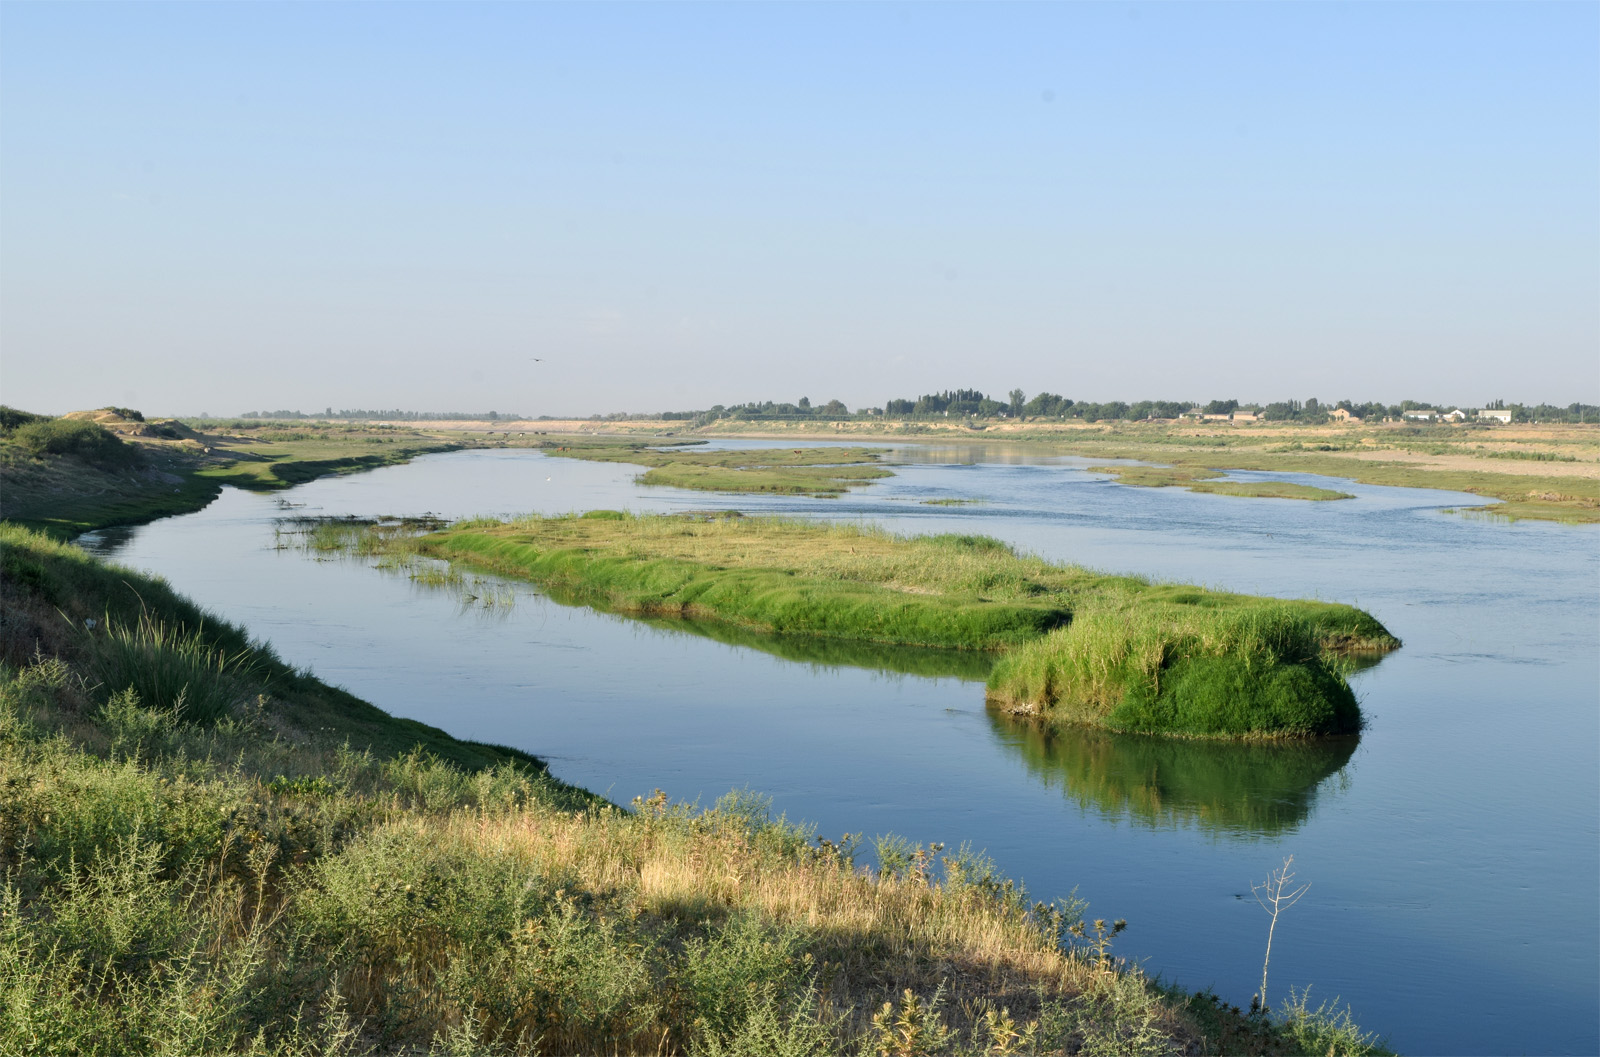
x=972, y=665
x=106, y=542
x=1246, y=789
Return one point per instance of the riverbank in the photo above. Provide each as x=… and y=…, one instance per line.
x=1117, y=652
x=206, y=851
x=1547, y=472
x=165, y=467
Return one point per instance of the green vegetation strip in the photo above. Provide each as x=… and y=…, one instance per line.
x=1079, y=647
x=207, y=852
x=1349, y=453
x=125, y=629
x=92, y=469
x=1201, y=480
x=825, y=472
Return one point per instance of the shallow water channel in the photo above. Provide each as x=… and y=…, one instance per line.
x=1454, y=850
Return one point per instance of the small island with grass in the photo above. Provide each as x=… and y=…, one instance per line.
x=1075, y=647
x=821, y=472
x=1211, y=482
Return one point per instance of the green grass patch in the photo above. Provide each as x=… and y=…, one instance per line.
x=1531, y=456
x=1076, y=647
x=1202, y=480
x=171, y=667
x=127, y=631
x=951, y=502
x=88, y=441
x=822, y=472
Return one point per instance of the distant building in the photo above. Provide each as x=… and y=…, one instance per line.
x=1339, y=414
x=1498, y=416
x=1457, y=415
x=1422, y=414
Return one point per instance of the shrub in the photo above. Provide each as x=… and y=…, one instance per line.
x=11, y=418
x=89, y=441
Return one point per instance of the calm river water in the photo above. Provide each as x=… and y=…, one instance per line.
x=1454, y=851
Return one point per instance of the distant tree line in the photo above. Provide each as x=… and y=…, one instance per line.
x=1017, y=405
x=395, y=415
x=973, y=403
x=764, y=409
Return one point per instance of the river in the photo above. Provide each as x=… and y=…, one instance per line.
x=1453, y=851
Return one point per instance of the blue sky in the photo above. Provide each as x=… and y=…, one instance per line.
x=224, y=207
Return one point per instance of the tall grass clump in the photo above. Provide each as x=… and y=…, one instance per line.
x=170, y=667
x=1181, y=671
x=86, y=440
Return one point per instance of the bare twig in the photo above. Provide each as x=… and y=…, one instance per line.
x=1276, y=895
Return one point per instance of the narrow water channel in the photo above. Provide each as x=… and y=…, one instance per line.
x=1453, y=850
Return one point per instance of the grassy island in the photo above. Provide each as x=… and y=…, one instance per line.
x=206, y=851
x=1077, y=647
x=822, y=472
x=1201, y=480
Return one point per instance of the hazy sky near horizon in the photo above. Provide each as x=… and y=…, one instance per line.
x=230, y=207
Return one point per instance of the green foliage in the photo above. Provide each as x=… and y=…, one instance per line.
x=1202, y=480
x=1531, y=456
x=80, y=438
x=1238, y=696
x=167, y=666
x=11, y=418
x=1193, y=669
x=774, y=1028
x=1327, y=1029
x=799, y=471
x=45, y=580
x=738, y=971
x=772, y=600
x=909, y=1028
x=178, y=889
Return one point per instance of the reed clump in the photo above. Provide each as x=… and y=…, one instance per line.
x=1076, y=646
x=1177, y=669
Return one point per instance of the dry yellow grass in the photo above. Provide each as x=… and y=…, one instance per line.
x=876, y=935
